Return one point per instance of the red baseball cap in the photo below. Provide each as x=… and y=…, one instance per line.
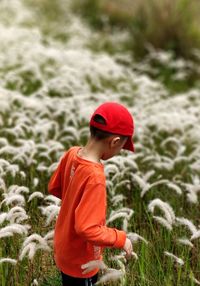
x=118, y=121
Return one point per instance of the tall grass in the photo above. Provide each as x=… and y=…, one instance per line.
x=166, y=24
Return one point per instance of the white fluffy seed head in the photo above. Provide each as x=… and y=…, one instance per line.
x=91, y=265
x=15, y=228
x=32, y=244
x=35, y=195
x=163, y=222
x=15, y=189
x=3, y=217
x=15, y=198
x=176, y=259
x=185, y=241
x=183, y=221
x=8, y=260
x=197, y=282
x=134, y=237
x=53, y=199
x=34, y=283
x=111, y=275
x=165, y=207
x=195, y=235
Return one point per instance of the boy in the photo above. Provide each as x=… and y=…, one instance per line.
x=79, y=181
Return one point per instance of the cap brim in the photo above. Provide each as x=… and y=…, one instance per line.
x=129, y=145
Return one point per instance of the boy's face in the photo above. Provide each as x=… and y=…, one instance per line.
x=112, y=146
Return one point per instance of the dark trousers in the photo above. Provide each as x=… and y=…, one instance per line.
x=73, y=281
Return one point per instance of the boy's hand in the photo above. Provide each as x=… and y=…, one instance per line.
x=128, y=248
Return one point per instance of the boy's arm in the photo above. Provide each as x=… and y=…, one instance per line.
x=90, y=219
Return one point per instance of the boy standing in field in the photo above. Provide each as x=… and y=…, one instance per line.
x=79, y=181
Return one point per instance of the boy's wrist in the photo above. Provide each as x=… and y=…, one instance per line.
x=120, y=238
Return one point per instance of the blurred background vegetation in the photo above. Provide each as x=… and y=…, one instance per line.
x=163, y=36
x=172, y=26
x=164, y=24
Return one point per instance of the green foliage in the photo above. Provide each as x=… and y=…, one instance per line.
x=50, y=16
x=25, y=82
x=91, y=10
x=52, y=280
x=171, y=25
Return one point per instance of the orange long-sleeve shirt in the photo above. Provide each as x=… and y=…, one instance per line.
x=80, y=230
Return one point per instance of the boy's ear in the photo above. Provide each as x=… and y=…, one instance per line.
x=114, y=140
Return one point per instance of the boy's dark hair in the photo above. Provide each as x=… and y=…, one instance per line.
x=101, y=134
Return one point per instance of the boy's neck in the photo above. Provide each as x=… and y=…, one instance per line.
x=91, y=151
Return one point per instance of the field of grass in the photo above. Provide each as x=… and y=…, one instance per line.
x=53, y=74
x=165, y=24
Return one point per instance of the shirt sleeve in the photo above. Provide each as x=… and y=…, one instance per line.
x=54, y=185
x=90, y=217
